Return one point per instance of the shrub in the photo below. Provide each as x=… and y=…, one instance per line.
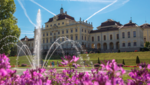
x=99, y=61
x=137, y=60
x=123, y=62
x=23, y=65
x=118, y=51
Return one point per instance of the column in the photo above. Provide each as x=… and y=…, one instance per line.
x=107, y=46
x=101, y=46
x=114, y=45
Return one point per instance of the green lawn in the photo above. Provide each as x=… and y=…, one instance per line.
x=129, y=58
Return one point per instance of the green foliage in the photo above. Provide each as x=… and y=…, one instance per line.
x=13, y=51
x=137, y=60
x=147, y=44
x=123, y=62
x=99, y=61
x=8, y=24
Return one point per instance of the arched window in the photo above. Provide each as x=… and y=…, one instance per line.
x=104, y=37
x=123, y=35
x=123, y=44
x=117, y=36
x=92, y=39
x=134, y=43
x=128, y=34
x=110, y=37
x=129, y=44
x=98, y=38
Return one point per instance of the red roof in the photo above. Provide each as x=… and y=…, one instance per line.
x=61, y=17
x=110, y=22
x=146, y=25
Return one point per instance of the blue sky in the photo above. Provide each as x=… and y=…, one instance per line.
x=118, y=10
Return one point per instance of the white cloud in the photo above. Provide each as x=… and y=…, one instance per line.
x=43, y=7
x=26, y=13
x=125, y=1
x=101, y=1
x=101, y=9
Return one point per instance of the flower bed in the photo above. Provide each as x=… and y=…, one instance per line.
x=109, y=74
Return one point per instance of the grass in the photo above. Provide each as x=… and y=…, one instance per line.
x=129, y=58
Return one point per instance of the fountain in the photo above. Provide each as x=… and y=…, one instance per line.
x=37, y=48
x=34, y=60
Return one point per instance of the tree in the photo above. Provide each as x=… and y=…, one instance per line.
x=99, y=61
x=123, y=62
x=147, y=44
x=137, y=60
x=8, y=24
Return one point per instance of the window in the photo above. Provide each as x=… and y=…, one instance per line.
x=54, y=33
x=134, y=43
x=62, y=32
x=129, y=44
x=47, y=25
x=82, y=37
x=85, y=37
x=46, y=40
x=62, y=22
x=58, y=23
x=43, y=34
x=134, y=33
x=123, y=44
x=71, y=37
x=62, y=39
x=51, y=25
x=47, y=34
x=54, y=24
x=144, y=39
x=50, y=39
x=71, y=30
x=85, y=31
x=98, y=38
x=93, y=39
x=76, y=30
x=117, y=36
x=82, y=30
x=58, y=32
x=66, y=31
x=104, y=37
x=43, y=40
x=123, y=36
x=110, y=37
x=76, y=37
x=67, y=36
x=128, y=34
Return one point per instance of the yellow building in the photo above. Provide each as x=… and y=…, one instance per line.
x=146, y=32
x=110, y=36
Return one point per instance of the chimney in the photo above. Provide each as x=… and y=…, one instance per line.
x=65, y=12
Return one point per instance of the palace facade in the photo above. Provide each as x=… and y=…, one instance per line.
x=110, y=36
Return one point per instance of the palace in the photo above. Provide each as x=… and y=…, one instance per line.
x=110, y=36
